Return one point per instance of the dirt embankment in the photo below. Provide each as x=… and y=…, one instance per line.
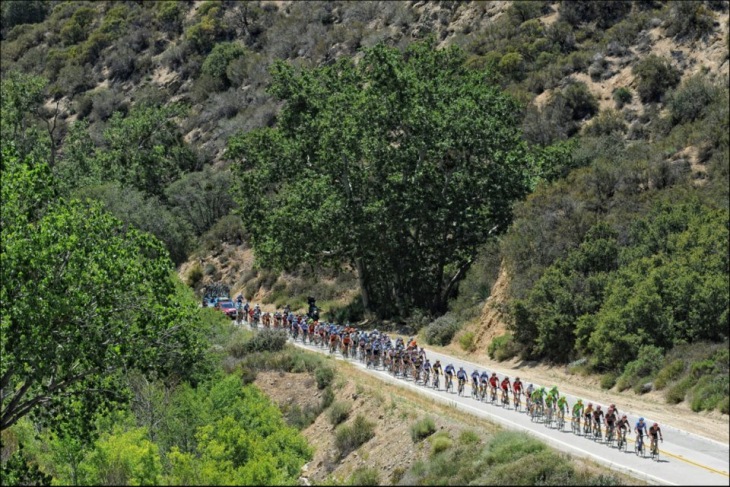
x=392, y=409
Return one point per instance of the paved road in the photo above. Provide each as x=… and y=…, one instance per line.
x=685, y=458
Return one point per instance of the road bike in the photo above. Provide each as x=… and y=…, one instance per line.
x=639, y=446
x=587, y=426
x=575, y=424
x=561, y=420
x=449, y=383
x=621, y=440
x=654, y=448
x=475, y=389
x=461, y=387
x=505, y=397
x=494, y=394
x=609, y=434
x=517, y=400
x=436, y=380
x=549, y=416
x=598, y=434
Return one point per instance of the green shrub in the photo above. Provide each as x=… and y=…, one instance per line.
x=708, y=393
x=678, y=391
x=442, y=330
x=267, y=340
x=328, y=397
x=689, y=19
x=503, y=347
x=622, y=96
x=608, y=380
x=468, y=437
x=467, y=341
x=655, y=76
x=608, y=122
x=669, y=373
x=580, y=100
x=339, y=412
x=216, y=63
x=423, y=428
x=350, y=437
x=440, y=443
x=692, y=99
x=324, y=376
x=365, y=476
x=645, y=366
x=194, y=275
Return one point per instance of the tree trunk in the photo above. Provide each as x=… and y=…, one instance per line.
x=362, y=280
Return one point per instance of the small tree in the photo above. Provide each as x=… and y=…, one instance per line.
x=655, y=76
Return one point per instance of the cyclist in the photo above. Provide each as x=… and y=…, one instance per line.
x=484, y=380
x=549, y=403
x=640, y=430
x=554, y=393
x=537, y=397
x=588, y=414
x=597, y=417
x=426, y=371
x=623, y=427
x=563, y=406
x=505, y=389
x=475, y=381
x=577, y=412
x=655, y=431
x=610, y=421
x=493, y=381
x=462, y=376
x=436, y=371
x=528, y=395
x=448, y=373
x=517, y=391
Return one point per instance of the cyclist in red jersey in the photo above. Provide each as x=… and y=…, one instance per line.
x=517, y=386
x=494, y=380
x=505, y=384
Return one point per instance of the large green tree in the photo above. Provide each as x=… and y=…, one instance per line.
x=401, y=164
x=83, y=301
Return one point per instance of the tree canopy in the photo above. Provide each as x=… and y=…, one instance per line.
x=84, y=299
x=401, y=164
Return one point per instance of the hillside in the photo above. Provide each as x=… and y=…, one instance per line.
x=532, y=185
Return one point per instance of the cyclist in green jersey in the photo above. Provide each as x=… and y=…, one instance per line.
x=578, y=408
x=554, y=393
x=537, y=396
x=563, y=406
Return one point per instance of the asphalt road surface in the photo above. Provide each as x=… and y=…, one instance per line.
x=684, y=459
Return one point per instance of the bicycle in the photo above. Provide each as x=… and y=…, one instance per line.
x=598, y=435
x=537, y=412
x=461, y=387
x=575, y=424
x=654, y=449
x=561, y=420
x=587, y=426
x=426, y=376
x=517, y=400
x=505, y=398
x=436, y=381
x=494, y=394
x=449, y=383
x=621, y=440
x=609, y=434
x=639, y=446
x=549, y=417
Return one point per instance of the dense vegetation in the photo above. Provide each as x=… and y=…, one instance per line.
x=618, y=253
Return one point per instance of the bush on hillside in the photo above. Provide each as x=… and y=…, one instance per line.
x=339, y=411
x=503, y=347
x=689, y=19
x=622, y=96
x=655, y=76
x=423, y=428
x=350, y=437
x=691, y=100
x=442, y=330
x=608, y=122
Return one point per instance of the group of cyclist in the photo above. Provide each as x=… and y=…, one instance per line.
x=405, y=359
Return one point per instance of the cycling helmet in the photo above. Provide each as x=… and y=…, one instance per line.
x=598, y=407
x=656, y=425
x=590, y=404
x=641, y=420
x=623, y=417
x=494, y=373
x=580, y=401
x=613, y=406
x=517, y=378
